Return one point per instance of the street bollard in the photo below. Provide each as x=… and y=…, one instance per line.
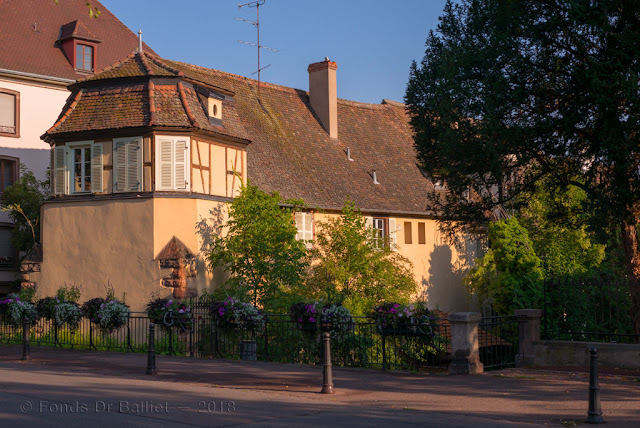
x=151, y=355
x=595, y=412
x=26, y=346
x=327, y=375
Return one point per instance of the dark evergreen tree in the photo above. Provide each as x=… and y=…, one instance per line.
x=512, y=91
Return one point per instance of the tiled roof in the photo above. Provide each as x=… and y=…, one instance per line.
x=290, y=152
x=135, y=92
x=78, y=30
x=29, y=30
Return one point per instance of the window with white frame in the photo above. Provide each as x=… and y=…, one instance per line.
x=76, y=168
x=172, y=163
x=304, y=223
x=9, y=113
x=127, y=164
x=384, y=231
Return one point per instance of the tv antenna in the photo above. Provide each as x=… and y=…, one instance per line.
x=256, y=23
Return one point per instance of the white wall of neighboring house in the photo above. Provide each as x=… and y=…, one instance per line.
x=40, y=106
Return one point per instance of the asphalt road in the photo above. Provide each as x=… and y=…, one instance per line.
x=90, y=389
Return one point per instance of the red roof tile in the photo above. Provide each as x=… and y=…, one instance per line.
x=290, y=152
x=29, y=30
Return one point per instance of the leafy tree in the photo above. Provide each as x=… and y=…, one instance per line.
x=23, y=200
x=260, y=250
x=513, y=91
x=347, y=267
x=558, y=229
x=510, y=274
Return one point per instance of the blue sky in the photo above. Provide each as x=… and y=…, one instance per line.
x=372, y=41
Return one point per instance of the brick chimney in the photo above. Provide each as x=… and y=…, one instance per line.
x=323, y=94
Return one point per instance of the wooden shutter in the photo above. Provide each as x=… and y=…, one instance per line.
x=52, y=170
x=120, y=164
x=392, y=234
x=422, y=233
x=408, y=233
x=181, y=158
x=165, y=165
x=96, y=168
x=299, y=222
x=60, y=170
x=368, y=221
x=134, y=161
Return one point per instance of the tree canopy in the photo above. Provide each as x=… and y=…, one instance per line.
x=347, y=267
x=511, y=92
x=260, y=250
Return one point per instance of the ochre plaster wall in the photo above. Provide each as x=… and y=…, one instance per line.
x=437, y=266
x=95, y=243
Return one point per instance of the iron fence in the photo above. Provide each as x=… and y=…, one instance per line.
x=357, y=343
x=588, y=309
x=498, y=341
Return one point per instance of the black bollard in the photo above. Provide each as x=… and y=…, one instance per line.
x=151, y=355
x=26, y=346
x=327, y=374
x=595, y=412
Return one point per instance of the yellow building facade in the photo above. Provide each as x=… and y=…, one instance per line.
x=149, y=150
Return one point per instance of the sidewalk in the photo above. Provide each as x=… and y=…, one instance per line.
x=270, y=394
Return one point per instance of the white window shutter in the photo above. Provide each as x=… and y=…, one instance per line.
x=52, y=169
x=368, y=221
x=308, y=226
x=134, y=160
x=392, y=234
x=299, y=221
x=165, y=170
x=60, y=170
x=96, y=168
x=120, y=163
x=181, y=159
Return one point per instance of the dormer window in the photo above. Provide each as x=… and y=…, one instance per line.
x=212, y=103
x=79, y=45
x=84, y=57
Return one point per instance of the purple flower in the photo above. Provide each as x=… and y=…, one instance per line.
x=312, y=319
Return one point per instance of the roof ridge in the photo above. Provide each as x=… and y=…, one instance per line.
x=107, y=68
x=185, y=105
x=77, y=28
x=145, y=64
x=283, y=87
x=160, y=63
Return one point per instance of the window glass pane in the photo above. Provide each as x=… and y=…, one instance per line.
x=6, y=249
x=7, y=169
x=88, y=57
x=77, y=170
x=87, y=169
x=79, y=56
x=7, y=113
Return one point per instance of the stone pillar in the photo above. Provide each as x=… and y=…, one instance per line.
x=464, y=343
x=529, y=333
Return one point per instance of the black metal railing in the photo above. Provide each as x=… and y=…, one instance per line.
x=425, y=346
x=357, y=343
x=498, y=342
x=588, y=309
